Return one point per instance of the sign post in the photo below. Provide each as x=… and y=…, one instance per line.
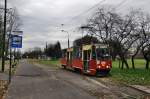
x=15, y=42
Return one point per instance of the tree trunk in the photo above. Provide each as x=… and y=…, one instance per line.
x=146, y=59
x=122, y=64
x=147, y=64
x=119, y=63
x=124, y=61
x=133, y=65
x=113, y=58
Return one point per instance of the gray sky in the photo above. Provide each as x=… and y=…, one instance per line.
x=42, y=19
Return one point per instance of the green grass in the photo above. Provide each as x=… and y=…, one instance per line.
x=139, y=63
x=51, y=63
x=139, y=76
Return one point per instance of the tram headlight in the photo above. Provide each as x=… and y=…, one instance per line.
x=107, y=66
x=99, y=66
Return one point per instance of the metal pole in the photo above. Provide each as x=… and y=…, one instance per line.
x=3, y=47
x=68, y=40
x=46, y=50
x=10, y=63
x=82, y=37
x=14, y=55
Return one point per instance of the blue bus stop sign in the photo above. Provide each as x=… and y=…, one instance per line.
x=16, y=41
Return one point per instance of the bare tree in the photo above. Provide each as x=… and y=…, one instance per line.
x=116, y=30
x=13, y=23
x=103, y=25
x=1, y=30
x=127, y=35
x=144, y=25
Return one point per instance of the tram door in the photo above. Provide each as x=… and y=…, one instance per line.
x=69, y=58
x=86, y=59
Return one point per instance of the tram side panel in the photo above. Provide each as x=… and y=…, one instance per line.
x=92, y=66
x=63, y=61
x=77, y=63
x=77, y=58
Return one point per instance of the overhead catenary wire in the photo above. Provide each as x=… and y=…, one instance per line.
x=117, y=6
x=84, y=12
x=70, y=22
x=94, y=6
x=120, y=4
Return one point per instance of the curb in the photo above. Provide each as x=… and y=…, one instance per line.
x=140, y=88
x=137, y=87
x=96, y=82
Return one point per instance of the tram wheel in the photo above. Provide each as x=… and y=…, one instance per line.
x=64, y=66
x=77, y=70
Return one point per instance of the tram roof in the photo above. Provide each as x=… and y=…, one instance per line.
x=88, y=47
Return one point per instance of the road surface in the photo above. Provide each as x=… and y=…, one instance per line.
x=40, y=82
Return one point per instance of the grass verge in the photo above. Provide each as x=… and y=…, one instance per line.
x=139, y=76
x=49, y=63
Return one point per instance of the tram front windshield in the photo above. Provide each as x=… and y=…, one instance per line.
x=102, y=53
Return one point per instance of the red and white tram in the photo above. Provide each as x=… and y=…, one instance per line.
x=88, y=59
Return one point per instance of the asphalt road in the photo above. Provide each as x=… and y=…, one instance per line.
x=42, y=82
x=32, y=82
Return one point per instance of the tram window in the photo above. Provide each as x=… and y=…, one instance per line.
x=80, y=54
x=93, y=54
x=76, y=52
x=77, y=55
x=102, y=53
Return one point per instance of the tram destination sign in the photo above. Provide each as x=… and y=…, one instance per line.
x=16, y=41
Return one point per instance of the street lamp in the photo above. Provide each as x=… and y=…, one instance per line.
x=68, y=37
x=85, y=27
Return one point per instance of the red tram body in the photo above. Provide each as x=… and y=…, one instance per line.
x=88, y=59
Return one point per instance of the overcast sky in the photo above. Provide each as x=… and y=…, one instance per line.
x=42, y=19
